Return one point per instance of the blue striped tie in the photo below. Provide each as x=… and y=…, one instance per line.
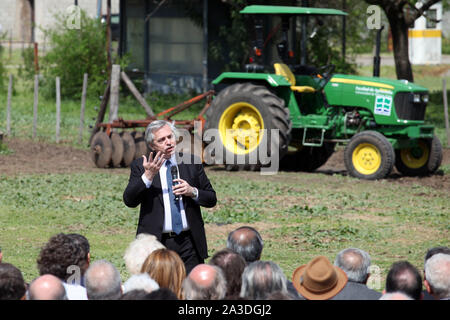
x=177, y=224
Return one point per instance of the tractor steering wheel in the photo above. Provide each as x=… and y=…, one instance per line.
x=325, y=73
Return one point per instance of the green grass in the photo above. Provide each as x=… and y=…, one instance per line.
x=299, y=215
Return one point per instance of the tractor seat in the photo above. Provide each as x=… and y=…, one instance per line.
x=282, y=69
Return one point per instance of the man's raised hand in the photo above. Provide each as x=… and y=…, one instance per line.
x=153, y=165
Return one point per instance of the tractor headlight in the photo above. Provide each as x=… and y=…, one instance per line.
x=425, y=98
x=416, y=98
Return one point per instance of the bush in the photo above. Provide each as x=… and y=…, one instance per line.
x=75, y=52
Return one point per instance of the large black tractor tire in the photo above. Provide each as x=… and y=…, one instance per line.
x=421, y=160
x=238, y=113
x=369, y=155
x=307, y=158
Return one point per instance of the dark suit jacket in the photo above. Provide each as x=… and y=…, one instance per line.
x=357, y=291
x=151, y=218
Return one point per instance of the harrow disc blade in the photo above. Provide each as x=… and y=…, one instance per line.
x=129, y=148
x=101, y=149
x=117, y=150
x=141, y=145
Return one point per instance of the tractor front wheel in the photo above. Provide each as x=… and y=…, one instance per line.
x=369, y=155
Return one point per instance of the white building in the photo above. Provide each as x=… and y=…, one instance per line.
x=22, y=20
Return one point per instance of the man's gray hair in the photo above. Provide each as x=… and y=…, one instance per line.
x=158, y=124
x=437, y=274
x=216, y=291
x=250, y=248
x=138, y=250
x=261, y=278
x=140, y=282
x=103, y=281
x=355, y=263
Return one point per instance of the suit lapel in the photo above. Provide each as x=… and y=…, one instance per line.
x=157, y=184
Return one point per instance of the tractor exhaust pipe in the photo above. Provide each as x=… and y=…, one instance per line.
x=376, y=58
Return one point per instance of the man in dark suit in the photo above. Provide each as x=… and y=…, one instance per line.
x=355, y=263
x=168, y=211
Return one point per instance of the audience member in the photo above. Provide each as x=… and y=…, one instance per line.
x=1, y=255
x=167, y=269
x=319, y=279
x=58, y=257
x=136, y=294
x=103, y=281
x=249, y=244
x=395, y=296
x=140, y=282
x=404, y=277
x=260, y=279
x=138, y=250
x=85, y=255
x=12, y=284
x=205, y=282
x=162, y=294
x=46, y=287
x=437, y=276
x=355, y=263
x=232, y=265
x=431, y=252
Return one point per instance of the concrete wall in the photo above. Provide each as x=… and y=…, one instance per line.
x=15, y=15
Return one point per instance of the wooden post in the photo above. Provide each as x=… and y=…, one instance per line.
x=101, y=111
x=36, y=57
x=8, y=106
x=83, y=105
x=114, y=99
x=444, y=92
x=136, y=94
x=35, y=105
x=58, y=109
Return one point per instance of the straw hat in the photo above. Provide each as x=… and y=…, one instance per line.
x=319, y=279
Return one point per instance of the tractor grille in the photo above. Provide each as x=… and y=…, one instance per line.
x=407, y=109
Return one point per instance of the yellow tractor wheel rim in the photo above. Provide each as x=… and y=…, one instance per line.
x=416, y=157
x=240, y=128
x=366, y=158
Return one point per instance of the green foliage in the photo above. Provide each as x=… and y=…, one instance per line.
x=3, y=86
x=75, y=52
x=4, y=149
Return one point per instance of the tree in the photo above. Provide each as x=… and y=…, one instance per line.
x=401, y=15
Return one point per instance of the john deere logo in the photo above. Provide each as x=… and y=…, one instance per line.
x=383, y=105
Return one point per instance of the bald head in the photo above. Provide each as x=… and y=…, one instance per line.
x=247, y=242
x=203, y=275
x=47, y=287
x=355, y=263
x=205, y=282
x=395, y=296
x=103, y=281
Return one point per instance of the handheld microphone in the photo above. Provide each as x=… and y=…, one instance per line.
x=174, y=172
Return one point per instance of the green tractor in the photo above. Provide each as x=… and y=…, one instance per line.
x=310, y=110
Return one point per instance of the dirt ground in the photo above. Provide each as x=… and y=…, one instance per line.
x=34, y=157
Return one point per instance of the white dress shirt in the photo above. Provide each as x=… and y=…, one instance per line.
x=167, y=227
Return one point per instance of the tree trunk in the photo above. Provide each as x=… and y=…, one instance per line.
x=399, y=31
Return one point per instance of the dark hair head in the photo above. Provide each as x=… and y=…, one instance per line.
x=162, y=294
x=12, y=285
x=232, y=265
x=404, y=277
x=137, y=294
x=60, y=252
